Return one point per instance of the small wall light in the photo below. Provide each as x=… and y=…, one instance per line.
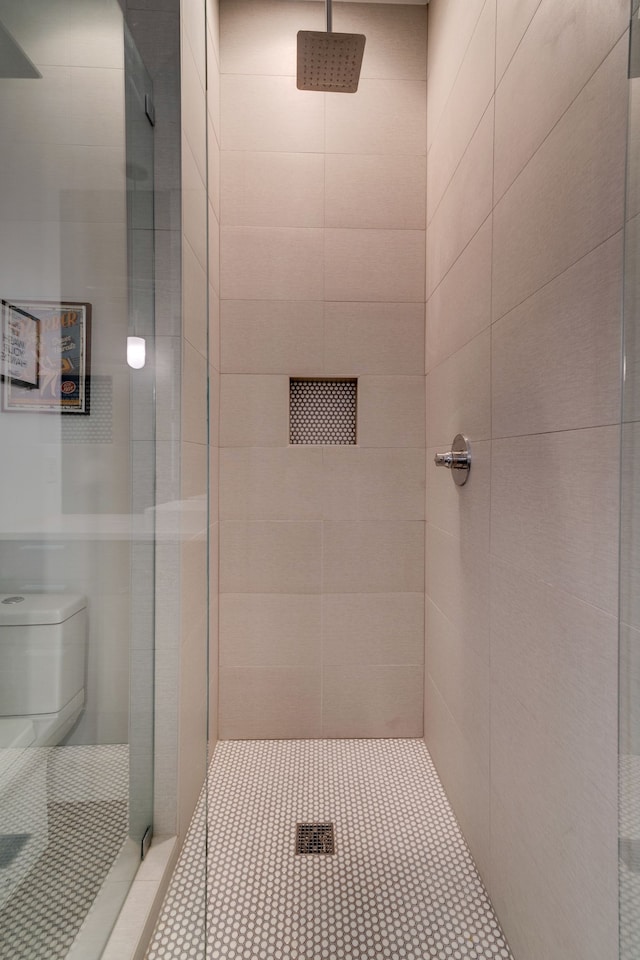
x=136, y=352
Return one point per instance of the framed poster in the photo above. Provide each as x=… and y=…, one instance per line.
x=19, y=340
x=63, y=354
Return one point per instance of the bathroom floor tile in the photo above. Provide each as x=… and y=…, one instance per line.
x=78, y=823
x=401, y=884
x=629, y=857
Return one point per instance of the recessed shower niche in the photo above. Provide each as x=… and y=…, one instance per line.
x=323, y=411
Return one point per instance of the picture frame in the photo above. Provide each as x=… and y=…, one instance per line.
x=63, y=359
x=19, y=346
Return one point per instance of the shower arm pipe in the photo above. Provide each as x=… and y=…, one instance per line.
x=327, y=6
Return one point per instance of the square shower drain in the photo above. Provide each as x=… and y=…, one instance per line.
x=315, y=838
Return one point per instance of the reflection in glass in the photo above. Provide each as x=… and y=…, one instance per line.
x=77, y=482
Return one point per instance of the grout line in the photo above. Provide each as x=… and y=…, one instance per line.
x=562, y=115
x=517, y=47
x=462, y=157
x=455, y=79
x=491, y=447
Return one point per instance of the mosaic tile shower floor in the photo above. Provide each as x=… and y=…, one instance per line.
x=630, y=857
x=86, y=815
x=401, y=884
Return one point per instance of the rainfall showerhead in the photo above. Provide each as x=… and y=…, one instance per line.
x=329, y=61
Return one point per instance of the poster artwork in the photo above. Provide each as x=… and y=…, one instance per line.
x=19, y=347
x=61, y=349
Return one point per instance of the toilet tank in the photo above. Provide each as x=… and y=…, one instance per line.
x=43, y=639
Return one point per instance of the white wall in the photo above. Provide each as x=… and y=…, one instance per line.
x=525, y=181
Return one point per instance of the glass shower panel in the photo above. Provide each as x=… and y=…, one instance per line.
x=629, y=700
x=140, y=237
x=77, y=474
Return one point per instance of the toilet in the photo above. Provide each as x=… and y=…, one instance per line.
x=43, y=641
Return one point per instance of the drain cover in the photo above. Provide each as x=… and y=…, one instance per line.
x=315, y=838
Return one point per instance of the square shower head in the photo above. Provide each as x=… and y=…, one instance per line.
x=329, y=61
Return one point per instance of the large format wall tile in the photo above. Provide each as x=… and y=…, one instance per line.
x=271, y=483
x=372, y=701
x=391, y=411
x=521, y=564
x=465, y=205
x=368, y=628
x=254, y=411
x=194, y=397
x=554, y=510
x=213, y=166
x=269, y=629
x=269, y=113
x=271, y=263
x=194, y=108
x=396, y=46
x=214, y=250
x=213, y=82
x=383, y=192
x=557, y=656
x=323, y=275
x=469, y=98
x=374, y=338
x=570, y=194
x=556, y=357
x=571, y=834
x=458, y=583
x=374, y=265
x=521, y=893
x=214, y=329
x=373, y=557
x=194, y=300
x=193, y=22
x=269, y=703
x=372, y=484
x=270, y=557
x=460, y=306
x=464, y=512
x=272, y=336
x=194, y=204
x=451, y=26
x=512, y=21
x=630, y=511
x=562, y=47
x=462, y=678
x=629, y=742
x=464, y=774
x=387, y=116
x=261, y=39
x=272, y=189
x=459, y=394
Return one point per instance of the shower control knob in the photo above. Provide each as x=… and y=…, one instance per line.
x=458, y=460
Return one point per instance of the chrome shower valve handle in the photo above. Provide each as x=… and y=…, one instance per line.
x=458, y=460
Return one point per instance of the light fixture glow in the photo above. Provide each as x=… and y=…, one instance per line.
x=136, y=352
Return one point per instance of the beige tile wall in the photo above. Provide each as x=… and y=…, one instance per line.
x=214, y=354
x=199, y=351
x=322, y=274
x=526, y=124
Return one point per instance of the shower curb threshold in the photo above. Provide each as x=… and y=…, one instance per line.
x=144, y=896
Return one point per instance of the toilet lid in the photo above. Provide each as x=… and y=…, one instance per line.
x=22, y=609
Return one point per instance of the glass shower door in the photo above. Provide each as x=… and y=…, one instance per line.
x=629, y=699
x=77, y=474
